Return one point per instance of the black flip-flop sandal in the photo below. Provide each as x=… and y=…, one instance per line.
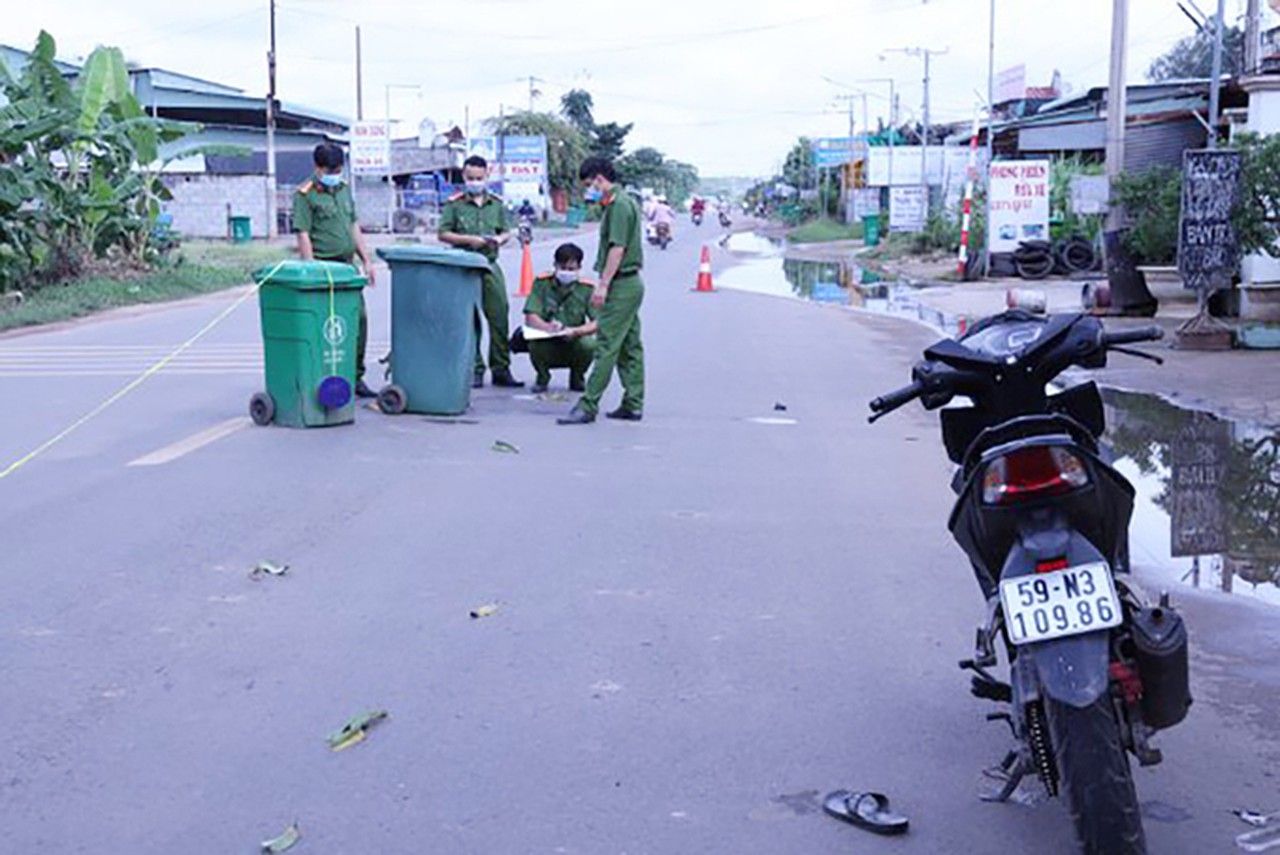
x=868, y=811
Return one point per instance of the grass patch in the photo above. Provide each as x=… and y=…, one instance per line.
x=199, y=267
x=824, y=230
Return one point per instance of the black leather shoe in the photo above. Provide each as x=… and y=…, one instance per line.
x=502, y=377
x=477, y=380
x=577, y=386
x=625, y=415
x=363, y=390
x=577, y=416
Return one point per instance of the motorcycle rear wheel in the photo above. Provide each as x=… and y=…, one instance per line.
x=1095, y=778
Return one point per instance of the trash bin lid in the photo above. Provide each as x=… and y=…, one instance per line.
x=434, y=255
x=309, y=275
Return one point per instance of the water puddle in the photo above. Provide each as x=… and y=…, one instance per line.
x=766, y=270
x=1207, y=513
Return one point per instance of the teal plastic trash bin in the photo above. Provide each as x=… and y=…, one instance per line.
x=241, y=229
x=435, y=294
x=575, y=216
x=871, y=230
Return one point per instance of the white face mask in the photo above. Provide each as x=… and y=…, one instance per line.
x=566, y=277
x=475, y=188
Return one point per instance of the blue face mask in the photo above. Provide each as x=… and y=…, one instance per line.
x=331, y=180
x=592, y=194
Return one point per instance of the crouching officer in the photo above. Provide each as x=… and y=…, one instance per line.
x=560, y=302
x=324, y=216
x=475, y=220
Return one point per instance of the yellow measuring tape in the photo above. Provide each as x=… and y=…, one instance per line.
x=137, y=381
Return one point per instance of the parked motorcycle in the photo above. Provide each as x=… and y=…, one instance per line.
x=1095, y=668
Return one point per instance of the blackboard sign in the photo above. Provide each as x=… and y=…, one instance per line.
x=1208, y=251
x=1197, y=506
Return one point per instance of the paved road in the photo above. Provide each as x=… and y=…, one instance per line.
x=705, y=621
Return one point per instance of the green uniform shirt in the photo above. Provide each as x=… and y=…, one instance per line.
x=463, y=216
x=569, y=304
x=620, y=226
x=326, y=214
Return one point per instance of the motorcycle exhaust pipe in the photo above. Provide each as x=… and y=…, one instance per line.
x=1160, y=652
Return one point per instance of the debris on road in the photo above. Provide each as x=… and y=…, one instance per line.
x=868, y=811
x=484, y=611
x=505, y=447
x=1252, y=817
x=267, y=568
x=355, y=730
x=285, y=841
x=779, y=407
x=552, y=397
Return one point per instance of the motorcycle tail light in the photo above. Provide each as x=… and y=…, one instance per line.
x=1032, y=473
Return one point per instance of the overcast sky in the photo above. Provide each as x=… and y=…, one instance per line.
x=725, y=84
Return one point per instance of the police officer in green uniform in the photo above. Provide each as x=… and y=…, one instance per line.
x=560, y=302
x=324, y=216
x=618, y=297
x=476, y=220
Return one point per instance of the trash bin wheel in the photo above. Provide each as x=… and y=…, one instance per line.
x=392, y=400
x=262, y=409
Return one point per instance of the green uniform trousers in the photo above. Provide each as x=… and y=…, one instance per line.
x=574, y=354
x=362, y=338
x=618, y=344
x=493, y=305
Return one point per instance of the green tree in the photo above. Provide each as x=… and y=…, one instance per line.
x=648, y=167
x=78, y=179
x=566, y=145
x=576, y=106
x=1192, y=57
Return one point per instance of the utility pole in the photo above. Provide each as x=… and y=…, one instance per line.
x=533, y=90
x=272, y=231
x=1252, y=36
x=359, y=79
x=991, y=134
x=1117, y=105
x=1215, y=81
x=927, y=54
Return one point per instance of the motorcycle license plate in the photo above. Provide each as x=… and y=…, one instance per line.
x=1064, y=602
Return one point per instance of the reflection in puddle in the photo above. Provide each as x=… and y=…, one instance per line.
x=756, y=244
x=1208, y=507
x=844, y=283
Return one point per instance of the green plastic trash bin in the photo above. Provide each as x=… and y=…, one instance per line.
x=871, y=230
x=310, y=323
x=241, y=229
x=435, y=294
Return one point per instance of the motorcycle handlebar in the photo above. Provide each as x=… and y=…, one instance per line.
x=887, y=403
x=1152, y=333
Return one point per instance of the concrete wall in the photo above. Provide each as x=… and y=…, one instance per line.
x=199, y=204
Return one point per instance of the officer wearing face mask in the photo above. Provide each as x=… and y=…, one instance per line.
x=475, y=220
x=560, y=302
x=324, y=216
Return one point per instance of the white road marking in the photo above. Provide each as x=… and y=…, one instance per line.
x=192, y=443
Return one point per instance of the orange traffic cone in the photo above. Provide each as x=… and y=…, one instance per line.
x=704, y=271
x=526, y=273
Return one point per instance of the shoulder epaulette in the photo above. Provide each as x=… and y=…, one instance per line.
x=589, y=283
x=306, y=187
x=550, y=274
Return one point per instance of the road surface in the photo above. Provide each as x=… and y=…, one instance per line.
x=705, y=620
